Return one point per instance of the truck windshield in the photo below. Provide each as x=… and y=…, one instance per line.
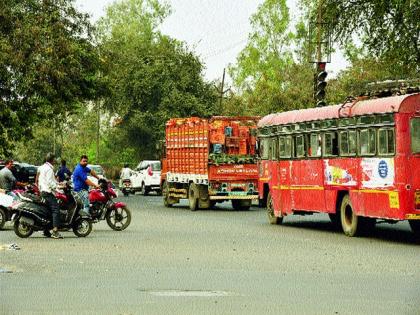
x=415, y=134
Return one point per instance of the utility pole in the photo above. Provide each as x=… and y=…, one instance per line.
x=221, y=91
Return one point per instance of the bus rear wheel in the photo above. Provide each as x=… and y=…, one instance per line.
x=272, y=218
x=349, y=220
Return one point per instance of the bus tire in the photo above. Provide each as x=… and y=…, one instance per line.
x=193, y=196
x=272, y=218
x=415, y=226
x=349, y=220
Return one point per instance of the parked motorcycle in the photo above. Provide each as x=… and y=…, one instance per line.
x=126, y=188
x=102, y=207
x=6, y=200
x=30, y=213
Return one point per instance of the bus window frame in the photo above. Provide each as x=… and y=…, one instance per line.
x=359, y=146
x=411, y=135
x=324, y=142
x=289, y=151
x=319, y=146
x=295, y=153
x=273, y=149
x=378, y=141
x=264, y=148
x=348, y=153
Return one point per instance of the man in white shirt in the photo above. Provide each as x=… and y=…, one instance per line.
x=126, y=172
x=47, y=185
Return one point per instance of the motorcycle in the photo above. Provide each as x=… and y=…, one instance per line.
x=126, y=187
x=30, y=213
x=102, y=207
x=6, y=200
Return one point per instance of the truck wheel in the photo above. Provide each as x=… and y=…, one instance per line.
x=349, y=220
x=193, y=196
x=239, y=204
x=167, y=201
x=272, y=218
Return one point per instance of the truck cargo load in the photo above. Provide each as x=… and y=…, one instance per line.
x=210, y=160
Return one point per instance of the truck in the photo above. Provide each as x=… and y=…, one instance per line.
x=210, y=160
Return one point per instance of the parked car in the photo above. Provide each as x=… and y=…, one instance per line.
x=23, y=172
x=146, y=177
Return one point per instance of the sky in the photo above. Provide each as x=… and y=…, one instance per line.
x=216, y=30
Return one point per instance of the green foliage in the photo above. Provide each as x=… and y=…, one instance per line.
x=272, y=72
x=388, y=30
x=151, y=77
x=47, y=64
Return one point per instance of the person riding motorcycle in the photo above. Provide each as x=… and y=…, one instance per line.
x=126, y=172
x=82, y=182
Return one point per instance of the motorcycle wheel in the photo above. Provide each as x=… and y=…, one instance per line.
x=82, y=227
x=2, y=218
x=118, y=219
x=22, y=230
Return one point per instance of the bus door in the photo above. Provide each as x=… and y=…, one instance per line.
x=307, y=174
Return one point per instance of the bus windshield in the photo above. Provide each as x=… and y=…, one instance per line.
x=415, y=134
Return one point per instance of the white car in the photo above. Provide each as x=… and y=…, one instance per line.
x=98, y=170
x=146, y=177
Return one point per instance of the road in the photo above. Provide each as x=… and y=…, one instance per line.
x=174, y=261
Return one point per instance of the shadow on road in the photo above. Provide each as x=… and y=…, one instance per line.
x=382, y=231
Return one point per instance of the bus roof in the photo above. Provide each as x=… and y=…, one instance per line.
x=393, y=104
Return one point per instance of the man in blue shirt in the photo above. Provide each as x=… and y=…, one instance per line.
x=81, y=183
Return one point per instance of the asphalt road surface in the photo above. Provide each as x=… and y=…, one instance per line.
x=174, y=261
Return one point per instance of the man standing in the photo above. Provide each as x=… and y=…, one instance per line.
x=7, y=180
x=81, y=183
x=47, y=185
x=63, y=173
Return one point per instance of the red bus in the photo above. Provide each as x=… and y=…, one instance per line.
x=358, y=162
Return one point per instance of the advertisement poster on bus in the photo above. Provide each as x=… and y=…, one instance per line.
x=335, y=175
x=377, y=172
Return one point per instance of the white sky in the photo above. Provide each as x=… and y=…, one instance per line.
x=217, y=30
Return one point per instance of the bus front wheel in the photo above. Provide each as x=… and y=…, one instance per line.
x=349, y=220
x=272, y=218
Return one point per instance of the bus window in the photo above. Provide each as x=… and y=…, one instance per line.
x=330, y=144
x=415, y=135
x=367, y=142
x=285, y=146
x=386, y=144
x=348, y=141
x=315, y=145
x=273, y=149
x=264, y=148
x=299, y=146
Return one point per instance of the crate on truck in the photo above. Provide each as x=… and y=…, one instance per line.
x=210, y=160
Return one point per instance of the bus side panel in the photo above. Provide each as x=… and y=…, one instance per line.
x=308, y=185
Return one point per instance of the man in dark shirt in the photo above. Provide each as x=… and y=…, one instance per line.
x=63, y=173
x=7, y=180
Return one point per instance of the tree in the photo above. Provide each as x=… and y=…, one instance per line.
x=150, y=76
x=387, y=30
x=272, y=73
x=47, y=64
